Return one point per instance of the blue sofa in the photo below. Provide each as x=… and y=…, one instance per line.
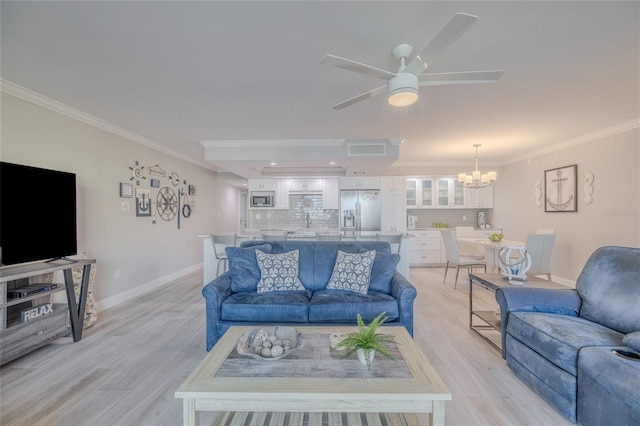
x=233, y=299
x=561, y=342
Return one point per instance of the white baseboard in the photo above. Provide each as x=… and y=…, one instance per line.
x=112, y=301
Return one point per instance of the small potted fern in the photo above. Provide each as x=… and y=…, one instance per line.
x=366, y=342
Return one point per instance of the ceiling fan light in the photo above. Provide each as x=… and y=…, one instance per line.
x=402, y=99
x=402, y=89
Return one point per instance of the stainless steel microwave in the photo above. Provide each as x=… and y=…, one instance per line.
x=262, y=199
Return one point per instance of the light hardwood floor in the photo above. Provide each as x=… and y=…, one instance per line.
x=127, y=367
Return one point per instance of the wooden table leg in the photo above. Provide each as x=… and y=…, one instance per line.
x=437, y=414
x=189, y=414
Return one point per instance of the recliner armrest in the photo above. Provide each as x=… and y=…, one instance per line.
x=564, y=302
x=405, y=293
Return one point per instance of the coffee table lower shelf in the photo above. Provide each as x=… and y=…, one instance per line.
x=313, y=419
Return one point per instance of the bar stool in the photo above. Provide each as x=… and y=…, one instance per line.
x=220, y=242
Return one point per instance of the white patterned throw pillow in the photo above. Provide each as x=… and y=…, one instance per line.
x=352, y=271
x=278, y=272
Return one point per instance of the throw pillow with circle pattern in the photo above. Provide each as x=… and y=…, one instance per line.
x=352, y=271
x=278, y=272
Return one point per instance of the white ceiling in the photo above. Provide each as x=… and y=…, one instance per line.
x=178, y=73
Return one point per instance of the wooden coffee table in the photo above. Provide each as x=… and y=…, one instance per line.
x=315, y=378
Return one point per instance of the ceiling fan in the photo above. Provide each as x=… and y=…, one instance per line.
x=402, y=86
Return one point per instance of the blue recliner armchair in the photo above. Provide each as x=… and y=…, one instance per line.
x=561, y=342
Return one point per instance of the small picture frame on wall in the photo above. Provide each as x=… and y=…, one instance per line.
x=560, y=189
x=126, y=190
x=143, y=202
x=155, y=183
x=192, y=190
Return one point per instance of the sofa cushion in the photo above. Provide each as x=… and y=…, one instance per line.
x=318, y=257
x=558, y=338
x=279, y=306
x=352, y=271
x=278, y=272
x=632, y=340
x=382, y=272
x=243, y=267
x=609, y=286
x=343, y=306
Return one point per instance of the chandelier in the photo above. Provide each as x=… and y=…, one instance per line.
x=476, y=179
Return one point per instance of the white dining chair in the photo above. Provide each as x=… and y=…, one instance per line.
x=395, y=239
x=540, y=248
x=465, y=248
x=455, y=258
x=220, y=242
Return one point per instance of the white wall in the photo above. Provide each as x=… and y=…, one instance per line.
x=613, y=217
x=145, y=254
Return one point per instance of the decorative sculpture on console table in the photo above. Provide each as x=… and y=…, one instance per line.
x=514, y=262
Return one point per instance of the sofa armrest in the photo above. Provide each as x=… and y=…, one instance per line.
x=214, y=293
x=405, y=293
x=513, y=299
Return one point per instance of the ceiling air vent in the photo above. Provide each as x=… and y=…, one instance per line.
x=366, y=150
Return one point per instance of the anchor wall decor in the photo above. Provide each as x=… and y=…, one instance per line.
x=560, y=189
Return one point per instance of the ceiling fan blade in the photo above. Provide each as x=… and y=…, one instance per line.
x=349, y=65
x=457, y=26
x=437, y=79
x=360, y=98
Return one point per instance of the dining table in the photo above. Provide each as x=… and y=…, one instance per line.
x=491, y=249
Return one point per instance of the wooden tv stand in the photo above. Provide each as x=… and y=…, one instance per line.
x=19, y=338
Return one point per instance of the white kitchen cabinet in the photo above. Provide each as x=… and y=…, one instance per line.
x=420, y=192
x=450, y=194
x=393, y=204
x=262, y=184
x=393, y=213
x=360, y=182
x=281, y=201
x=425, y=248
x=331, y=194
x=393, y=185
x=305, y=185
x=481, y=198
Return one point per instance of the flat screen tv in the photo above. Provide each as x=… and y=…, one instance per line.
x=37, y=214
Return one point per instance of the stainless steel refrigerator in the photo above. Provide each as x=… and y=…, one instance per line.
x=360, y=211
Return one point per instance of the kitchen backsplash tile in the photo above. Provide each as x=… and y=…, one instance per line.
x=452, y=217
x=295, y=217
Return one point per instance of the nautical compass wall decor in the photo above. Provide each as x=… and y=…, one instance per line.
x=560, y=189
x=167, y=203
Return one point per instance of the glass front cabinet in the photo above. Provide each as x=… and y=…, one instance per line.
x=435, y=192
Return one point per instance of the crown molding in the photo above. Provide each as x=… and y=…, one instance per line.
x=53, y=105
x=599, y=134
x=589, y=137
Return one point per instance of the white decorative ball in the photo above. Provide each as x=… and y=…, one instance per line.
x=262, y=335
x=267, y=344
x=272, y=338
x=266, y=353
x=286, y=342
x=276, y=350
